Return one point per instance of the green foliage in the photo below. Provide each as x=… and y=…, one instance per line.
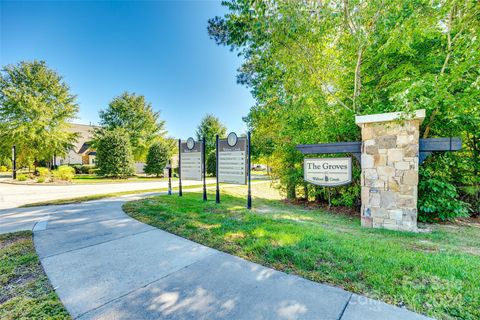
x=22, y=177
x=35, y=108
x=5, y=160
x=209, y=127
x=211, y=163
x=345, y=196
x=439, y=200
x=64, y=173
x=158, y=156
x=43, y=172
x=3, y=168
x=136, y=116
x=312, y=66
x=114, y=153
x=84, y=169
x=471, y=195
x=438, y=196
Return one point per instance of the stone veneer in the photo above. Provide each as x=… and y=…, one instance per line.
x=389, y=160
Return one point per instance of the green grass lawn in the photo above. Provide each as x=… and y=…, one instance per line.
x=435, y=273
x=259, y=173
x=91, y=178
x=25, y=292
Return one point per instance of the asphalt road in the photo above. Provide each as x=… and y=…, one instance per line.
x=15, y=195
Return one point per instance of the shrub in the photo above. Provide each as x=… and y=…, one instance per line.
x=437, y=195
x=92, y=170
x=157, y=157
x=43, y=172
x=77, y=168
x=65, y=173
x=114, y=153
x=22, y=177
x=83, y=169
x=5, y=161
x=439, y=200
x=3, y=168
x=471, y=195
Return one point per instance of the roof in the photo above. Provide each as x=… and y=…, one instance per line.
x=85, y=134
x=84, y=148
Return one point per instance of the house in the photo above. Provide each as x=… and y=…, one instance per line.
x=81, y=153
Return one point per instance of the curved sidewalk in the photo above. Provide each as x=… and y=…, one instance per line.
x=105, y=265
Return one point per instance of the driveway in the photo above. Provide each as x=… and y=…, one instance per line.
x=15, y=195
x=105, y=265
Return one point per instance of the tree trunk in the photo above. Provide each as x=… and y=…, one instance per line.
x=358, y=79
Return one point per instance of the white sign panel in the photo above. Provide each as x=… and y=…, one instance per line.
x=232, y=160
x=328, y=172
x=191, y=160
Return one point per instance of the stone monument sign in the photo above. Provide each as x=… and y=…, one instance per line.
x=389, y=154
x=389, y=160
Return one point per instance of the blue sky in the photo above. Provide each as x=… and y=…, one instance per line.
x=156, y=48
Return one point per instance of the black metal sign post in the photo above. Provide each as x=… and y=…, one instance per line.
x=217, y=195
x=180, y=167
x=169, y=168
x=204, y=165
x=249, y=193
x=14, y=162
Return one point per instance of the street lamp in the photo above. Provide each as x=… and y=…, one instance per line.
x=169, y=168
x=14, y=162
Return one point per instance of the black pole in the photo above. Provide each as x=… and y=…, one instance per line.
x=180, y=167
x=14, y=162
x=249, y=194
x=217, y=196
x=204, y=171
x=169, y=178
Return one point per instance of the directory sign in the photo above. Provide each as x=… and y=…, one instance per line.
x=191, y=159
x=232, y=159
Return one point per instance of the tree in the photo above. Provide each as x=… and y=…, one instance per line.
x=134, y=114
x=35, y=108
x=158, y=155
x=209, y=127
x=313, y=66
x=114, y=154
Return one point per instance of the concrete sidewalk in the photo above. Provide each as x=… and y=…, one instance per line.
x=105, y=265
